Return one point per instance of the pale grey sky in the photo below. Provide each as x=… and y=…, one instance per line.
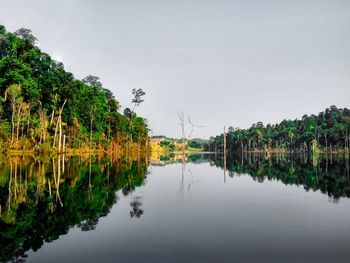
x=221, y=62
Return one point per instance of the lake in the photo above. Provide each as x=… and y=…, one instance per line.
x=198, y=208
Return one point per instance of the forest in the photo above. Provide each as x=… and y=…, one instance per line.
x=326, y=132
x=45, y=108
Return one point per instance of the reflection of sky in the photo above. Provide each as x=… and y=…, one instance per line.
x=222, y=62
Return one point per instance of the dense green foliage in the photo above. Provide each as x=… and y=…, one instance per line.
x=196, y=143
x=172, y=144
x=329, y=130
x=33, y=88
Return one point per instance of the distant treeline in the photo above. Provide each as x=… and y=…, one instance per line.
x=327, y=131
x=41, y=104
x=173, y=144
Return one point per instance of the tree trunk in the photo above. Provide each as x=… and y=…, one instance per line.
x=22, y=130
x=91, y=120
x=28, y=121
x=59, y=134
x=18, y=122
x=242, y=150
x=64, y=144
x=13, y=121
x=55, y=135
x=52, y=115
x=60, y=126
x=224, y=154
x=109, y=128
x=139, y=143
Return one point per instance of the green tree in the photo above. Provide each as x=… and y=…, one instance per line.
x=13, y=94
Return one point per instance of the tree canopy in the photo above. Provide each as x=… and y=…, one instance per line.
x=44, y=86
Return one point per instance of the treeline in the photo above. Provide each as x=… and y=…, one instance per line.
x=44, y=106
x=176, y=144
x=328, y=131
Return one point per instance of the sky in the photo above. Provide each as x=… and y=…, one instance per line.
x=220, y=62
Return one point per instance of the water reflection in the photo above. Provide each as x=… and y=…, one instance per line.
x=136, y=205
x=41, y=199
x=330, y=175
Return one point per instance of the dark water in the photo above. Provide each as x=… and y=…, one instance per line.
x=280, y=209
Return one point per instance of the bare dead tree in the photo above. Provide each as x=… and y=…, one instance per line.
x=182, y=124
x=193, y=126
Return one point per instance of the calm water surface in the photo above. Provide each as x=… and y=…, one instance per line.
x=95, y=210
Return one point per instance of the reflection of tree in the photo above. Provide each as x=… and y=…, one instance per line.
x=136, y=207
x=88, y=225
x=129, y=187
x=330, y=179
x=39, y=203
x=135, y=175
x=19, y=255
x=196, y=158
